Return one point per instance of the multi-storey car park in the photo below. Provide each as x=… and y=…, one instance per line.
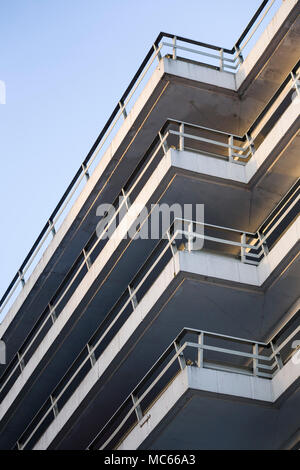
x=122, y=343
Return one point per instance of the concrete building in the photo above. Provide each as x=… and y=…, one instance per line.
x=161, y=343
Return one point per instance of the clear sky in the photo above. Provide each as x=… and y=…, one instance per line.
x=65, y=64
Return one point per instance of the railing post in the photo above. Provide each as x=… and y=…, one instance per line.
x=54, y=406
x=133, y=298
x=173, y=249
x=296, y=83
x=21, y=361
x=263, y=242
x=91, y=354
x=19, y=446
x=255, y=360
x=172, y=244
x=243, y=249
x=137, y=407
x=158, y=53
x=163, y=143
x=52, y=313
x=190, y=231
x=181, y=137
x=87, y=259
x=221, y=60
x=85, y=171
x=174, y=48
x=200, y=350
x=230, y=149
x=51, y=225
x=126, y=199
x=239, y=54
x=181, y=359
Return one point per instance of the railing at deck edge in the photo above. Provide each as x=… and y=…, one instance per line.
x=119, y=111
x=258, y=360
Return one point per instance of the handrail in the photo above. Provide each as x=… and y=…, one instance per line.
x=238, y=45
x=118, y=112
x=17, y=363
x=91, y=352
x=257, y=358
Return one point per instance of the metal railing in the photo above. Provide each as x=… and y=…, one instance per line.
x=164, y=251
x=95, y=245
x=50, y=315
x=210, y=350
x=121, y=111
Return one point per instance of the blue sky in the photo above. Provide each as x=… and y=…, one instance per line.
x=65, y=64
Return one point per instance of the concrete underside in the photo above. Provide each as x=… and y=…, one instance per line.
x=179, y=90
x=183, y=91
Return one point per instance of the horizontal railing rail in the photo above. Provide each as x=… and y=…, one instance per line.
x=119, y=111
x=126, y=305
x=265, y=362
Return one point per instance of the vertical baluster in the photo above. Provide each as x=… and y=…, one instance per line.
x=21, y=361
x=174, y=48
x=54, y=406
x=181, y=359
x=123, y=109
x=91, y=353
x=133, y=298
x=263, y=242
x=239, y=54
x=277, y=356
x=296, y=83
x=190, y=237
x=86, y=173
x=158, y=53
x=250, y=143
x=51, y=225
x=21, y=276
x=163, y=143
